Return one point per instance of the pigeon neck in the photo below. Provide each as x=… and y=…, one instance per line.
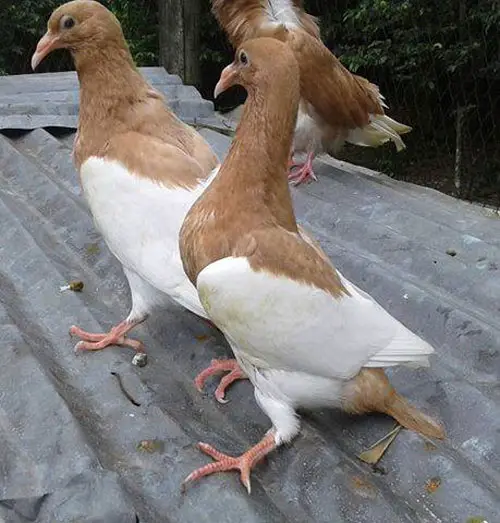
x=108, y=78
x=257, y=164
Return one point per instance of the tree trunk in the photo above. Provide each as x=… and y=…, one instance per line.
x=461, y=110
x=180, y=38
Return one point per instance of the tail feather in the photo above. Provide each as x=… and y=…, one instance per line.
x=397, y=127
x=379, y=131
x=413, y=419
x=382, y=127
x=371, y=391
x=367, y=136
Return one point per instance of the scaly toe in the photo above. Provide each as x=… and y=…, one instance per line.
x=223, y=463
x=235, y=375
x=84, y=335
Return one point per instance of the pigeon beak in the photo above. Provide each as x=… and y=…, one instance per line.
x=227, y=79
x=47, y=43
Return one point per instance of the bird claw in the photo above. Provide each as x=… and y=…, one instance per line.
x=221, y=399
x=90, y=341
x=305, y=173
x=223, y=462
x=216, y=367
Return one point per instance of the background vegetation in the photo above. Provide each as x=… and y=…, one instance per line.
x=437, y=63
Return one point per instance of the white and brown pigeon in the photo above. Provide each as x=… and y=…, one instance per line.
x=303, y=334
x=336, y=106
x=141, y=168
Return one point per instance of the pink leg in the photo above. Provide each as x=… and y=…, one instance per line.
x=243, y=463
x=216, y=367
x=305, y=171
x=116, y=336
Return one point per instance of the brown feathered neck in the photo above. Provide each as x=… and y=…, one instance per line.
x=254, y=172
x=108, y=78
x=246, y=19
x=118, y=107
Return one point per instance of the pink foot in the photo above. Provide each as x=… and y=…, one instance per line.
x=304, y=173
x=116, y=336
x=216, y=367
x=243, y=463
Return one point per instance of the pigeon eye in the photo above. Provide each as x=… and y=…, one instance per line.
x=243, y=58
x=68, y=22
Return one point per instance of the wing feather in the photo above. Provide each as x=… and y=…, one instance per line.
x=276, y=322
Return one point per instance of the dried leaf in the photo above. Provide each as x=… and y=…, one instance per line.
x=76, y=286
x=373, y=455
x=433, y=484
x=151, y=445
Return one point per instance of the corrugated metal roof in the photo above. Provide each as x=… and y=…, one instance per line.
x=51, y=99
x=70, y=436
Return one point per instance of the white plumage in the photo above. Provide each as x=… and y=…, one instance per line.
x=303, y=363
x=140, y=220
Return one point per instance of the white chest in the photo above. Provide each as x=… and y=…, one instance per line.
x=140, y=219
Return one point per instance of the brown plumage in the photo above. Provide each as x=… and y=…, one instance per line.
x=336, y=106
x=261, y=194
x=245, y=19
x=241, y=246
x=116, y=101
x=371, y=391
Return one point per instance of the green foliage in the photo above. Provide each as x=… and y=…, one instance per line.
x=23, y=22
x=410, y=37
x=21, y=25
x=139, y=19
x=430, y=58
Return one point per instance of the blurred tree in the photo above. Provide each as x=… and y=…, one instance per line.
x=22, y=23
x=180, y=22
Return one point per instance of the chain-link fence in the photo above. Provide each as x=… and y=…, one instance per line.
x=436, y=62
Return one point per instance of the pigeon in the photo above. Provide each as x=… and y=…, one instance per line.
x=301, y=332
x=140, y=167
x=336, y=106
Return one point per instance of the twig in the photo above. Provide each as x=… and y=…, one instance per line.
x=228, y=132
x=122, y=388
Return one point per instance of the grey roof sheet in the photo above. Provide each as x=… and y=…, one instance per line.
x=51, y=100
x=69, y=436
